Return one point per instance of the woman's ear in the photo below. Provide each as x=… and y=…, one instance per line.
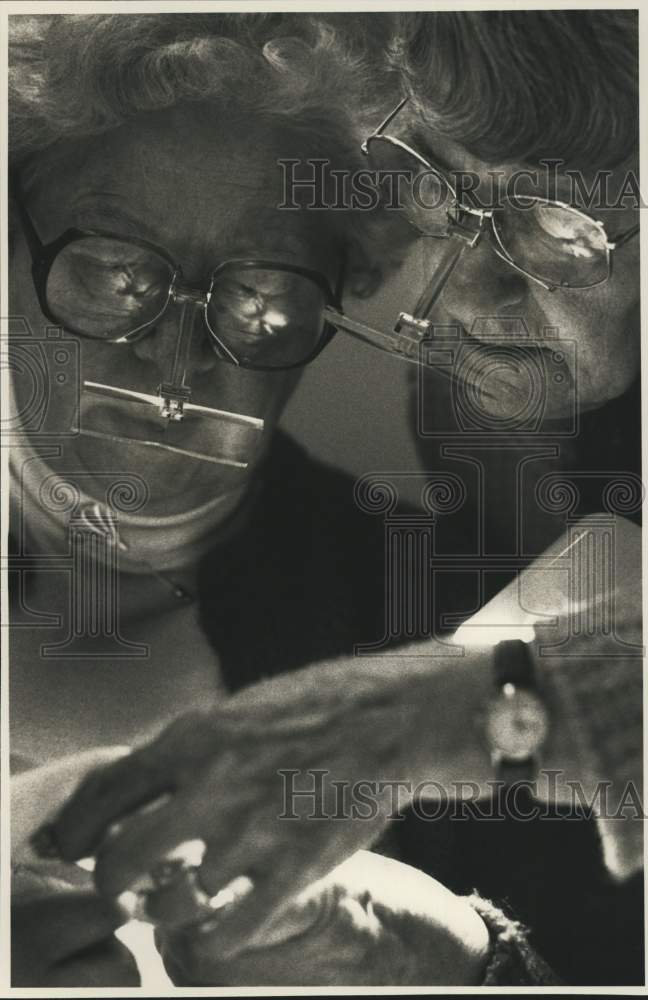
x=372, y=261
x=364, y=276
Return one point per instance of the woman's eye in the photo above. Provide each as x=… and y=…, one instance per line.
x=119, y=276
x=569, y=228
x=579, y=249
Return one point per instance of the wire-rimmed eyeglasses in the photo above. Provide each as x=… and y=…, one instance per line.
x=549, y=241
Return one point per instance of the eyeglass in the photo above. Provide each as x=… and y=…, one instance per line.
x=259, y=314
x=551, y=242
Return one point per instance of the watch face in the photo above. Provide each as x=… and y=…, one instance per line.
x=516, y=724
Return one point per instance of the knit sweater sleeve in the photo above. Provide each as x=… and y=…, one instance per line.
x=511, y=959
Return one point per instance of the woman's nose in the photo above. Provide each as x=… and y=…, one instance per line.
x=481, y=284
x=161, y=345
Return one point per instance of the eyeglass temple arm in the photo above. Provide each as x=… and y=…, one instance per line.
x=399, y=343
x=383, y=125
x=409, y=330
x=618, y=241
x=392, y=343
x=34, y=241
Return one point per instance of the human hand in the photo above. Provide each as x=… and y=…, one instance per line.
x=372, y=921
x=217, y=776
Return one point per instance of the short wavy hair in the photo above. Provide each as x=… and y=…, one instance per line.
x=76, y=76
x=72, y=76
x=526, y=85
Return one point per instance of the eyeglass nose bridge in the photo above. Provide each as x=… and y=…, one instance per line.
x=181, y=293
x=193, y=301
x=472, y=237
x=175, y=392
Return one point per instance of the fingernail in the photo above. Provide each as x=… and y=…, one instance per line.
x=44, y=842
x=233, y=892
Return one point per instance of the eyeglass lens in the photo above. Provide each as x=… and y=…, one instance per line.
x=552, y=242
x=266, y=317
x=105, y=288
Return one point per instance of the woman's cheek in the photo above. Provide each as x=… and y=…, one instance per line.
x=603, y=333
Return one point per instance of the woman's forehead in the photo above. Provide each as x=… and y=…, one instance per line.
x=183, y=144
x=175, y=181
x=587, y=187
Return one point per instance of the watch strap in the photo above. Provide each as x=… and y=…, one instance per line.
x=511, y=771
x=513, y=664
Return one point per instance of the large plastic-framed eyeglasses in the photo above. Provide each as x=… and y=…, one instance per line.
x=551, y=242
x=259, y=314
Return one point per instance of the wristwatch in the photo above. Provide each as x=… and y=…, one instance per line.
x=516, y=718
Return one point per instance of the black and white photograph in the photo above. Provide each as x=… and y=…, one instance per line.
x=322, y=648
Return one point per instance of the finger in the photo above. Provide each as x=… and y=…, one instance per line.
x=113, y=791
x=108, y=964
x=251, y=836
x=38, y=793
x=146, y=838
x=293, y=854
x=141, y=843
x=185, y=904
x=103, y=797
x=58, y=926
x=268, y=910
x=183, y=901
x=248, y=844
x=278, y=876
x=198, y=955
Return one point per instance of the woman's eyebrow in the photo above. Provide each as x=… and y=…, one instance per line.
x=421, y=145
x=104, y=205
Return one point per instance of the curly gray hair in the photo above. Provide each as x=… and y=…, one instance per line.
x=74, y=76
x=79, y=75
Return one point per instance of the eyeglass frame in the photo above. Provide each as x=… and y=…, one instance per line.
x=403, y=341
x=486, y=216
x=44, y=254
